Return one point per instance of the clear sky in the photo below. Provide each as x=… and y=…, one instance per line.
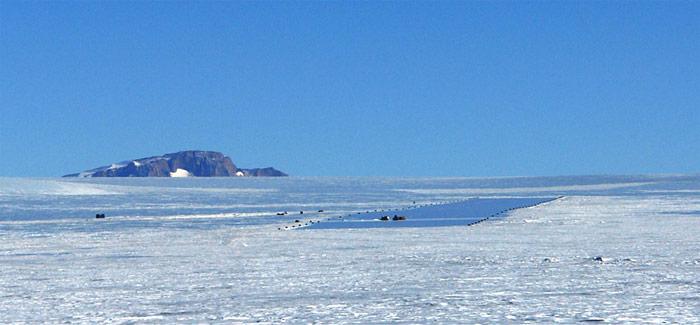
x=354, y=88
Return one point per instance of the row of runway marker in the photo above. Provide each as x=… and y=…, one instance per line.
x=298, y=223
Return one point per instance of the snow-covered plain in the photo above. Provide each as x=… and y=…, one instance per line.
x=615, y=248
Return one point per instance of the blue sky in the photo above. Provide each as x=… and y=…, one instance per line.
x=354, y=88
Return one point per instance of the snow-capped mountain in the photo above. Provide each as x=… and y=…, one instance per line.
x=179, y=164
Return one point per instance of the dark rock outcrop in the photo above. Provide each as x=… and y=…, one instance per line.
x=184, y=163
x=262, y=172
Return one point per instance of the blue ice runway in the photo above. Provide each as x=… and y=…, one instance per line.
x=462, y=213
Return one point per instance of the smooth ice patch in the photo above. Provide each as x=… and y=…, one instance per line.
x=30, y=187
x=462, y=213
x=534, y=189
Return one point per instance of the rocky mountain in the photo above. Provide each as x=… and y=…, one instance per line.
x=179, y=164
x=262, y=172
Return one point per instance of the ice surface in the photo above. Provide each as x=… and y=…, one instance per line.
x=34, y=188
x=208, y=251
x=461, y=213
